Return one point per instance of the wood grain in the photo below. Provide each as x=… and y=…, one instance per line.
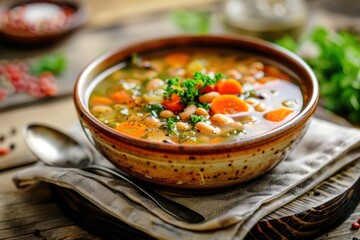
x=32, y=213
x=62, y=116
x=315, y=212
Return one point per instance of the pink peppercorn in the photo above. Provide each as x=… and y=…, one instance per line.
x=355, y=226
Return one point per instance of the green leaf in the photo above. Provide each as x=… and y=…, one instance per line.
x=288, y=42
x=192, y=21
x=55, y=64
x=153, y=109
x=194, y=119
x=171, y=124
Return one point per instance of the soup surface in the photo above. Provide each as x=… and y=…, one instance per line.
x=195, y=96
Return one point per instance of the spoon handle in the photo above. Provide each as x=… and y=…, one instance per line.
x=173, y=208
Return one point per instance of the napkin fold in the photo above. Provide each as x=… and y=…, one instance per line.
x=324, y=150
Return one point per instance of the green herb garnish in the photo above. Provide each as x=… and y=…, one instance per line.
x=337, y=67
x=194, y=119
x=192, y=21
x=236, y=132
x=189, y=89
x=187, y=136
x=171, y=124
x=153, y=109
x=55, y=64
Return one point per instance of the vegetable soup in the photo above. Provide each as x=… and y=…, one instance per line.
x=195, y=96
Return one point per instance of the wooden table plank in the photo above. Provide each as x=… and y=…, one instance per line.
x=32, y=213
x=58, y=112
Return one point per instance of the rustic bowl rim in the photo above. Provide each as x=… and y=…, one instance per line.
x=250, y=142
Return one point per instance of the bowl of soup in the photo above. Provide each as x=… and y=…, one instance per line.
x=196, y=113
x=38, y=23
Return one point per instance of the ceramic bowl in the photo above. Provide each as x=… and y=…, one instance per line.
x=198, y=168
x=25, y=37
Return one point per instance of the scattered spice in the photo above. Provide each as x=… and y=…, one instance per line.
x=12, y=146
x=355, y=226
x=33, y=77
x=13, y=131
x=4, y=151
x=36, y=233
x=36, y=18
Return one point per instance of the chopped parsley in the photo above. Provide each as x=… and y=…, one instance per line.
x=236, y=132
x=189, y=89
x=153, y=109
x=188, y=136
x=194, y=119
x=171, y=124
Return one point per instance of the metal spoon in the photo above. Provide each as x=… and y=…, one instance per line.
x=56, y=148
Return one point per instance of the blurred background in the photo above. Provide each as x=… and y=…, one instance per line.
x=323, y=32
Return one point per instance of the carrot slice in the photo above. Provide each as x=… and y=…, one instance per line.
x=173, y=104
x=278, y=115
x=271, y=71
x=216, y=140
x=228, y=104
x=100, y=101
x=228, y=86
x=264, y=80
x=177, y=59
x=134, y=129
x=121, y=97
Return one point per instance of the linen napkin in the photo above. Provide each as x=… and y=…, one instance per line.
x=325, y=149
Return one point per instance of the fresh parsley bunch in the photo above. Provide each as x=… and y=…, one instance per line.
x=336, y=64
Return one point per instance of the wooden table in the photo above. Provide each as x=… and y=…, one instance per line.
x=33, y=213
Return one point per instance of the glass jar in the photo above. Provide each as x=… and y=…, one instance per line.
x=268, y=19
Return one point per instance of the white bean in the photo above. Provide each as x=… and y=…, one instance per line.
x=166, y=114
x=252, y=71
x=154, y=84
x=248, y=119
x=201, y=112
x=231, y=126
x=153, y=98
x=235, y=125
x=248, y=79
x=101, y=109
x=153, y=121
x=208, y=97
x=233, y=73
x=188, y=111
x=251, y=101
x=220, y=119
x=257, y=65
x=261, y=107
x=206, y=128
x=182, y=126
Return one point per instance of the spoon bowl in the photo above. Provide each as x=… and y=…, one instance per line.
x=55, y=148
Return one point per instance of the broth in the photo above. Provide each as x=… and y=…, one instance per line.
x=196, y=96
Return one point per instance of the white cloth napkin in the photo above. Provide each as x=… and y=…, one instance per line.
x=325, y=149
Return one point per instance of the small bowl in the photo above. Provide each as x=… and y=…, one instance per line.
x=198, y=168
x=24, y=36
